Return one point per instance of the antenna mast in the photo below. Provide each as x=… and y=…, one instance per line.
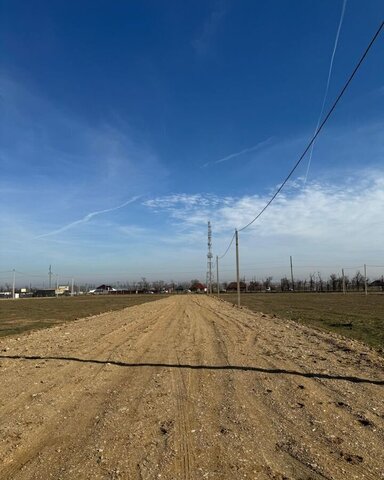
x=209, y=260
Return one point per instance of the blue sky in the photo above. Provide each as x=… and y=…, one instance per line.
x=126, y=126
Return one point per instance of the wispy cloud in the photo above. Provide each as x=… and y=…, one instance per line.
x=256, y=147
x=184, y=200
x=322, y=219
x=202, y=43
x=44, y=144
x=327, y=85
x=87, y=218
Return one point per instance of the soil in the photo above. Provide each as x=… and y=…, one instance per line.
x=189, y=387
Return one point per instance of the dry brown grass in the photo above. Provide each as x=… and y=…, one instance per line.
x=353, y=315
x=17, y=316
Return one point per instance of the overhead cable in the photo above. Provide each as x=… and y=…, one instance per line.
x=229, y=246
x=319, y=128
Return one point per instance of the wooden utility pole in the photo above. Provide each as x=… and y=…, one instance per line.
x=237, y=268
x=217, y=276
x=365, y=280
x=13, y=283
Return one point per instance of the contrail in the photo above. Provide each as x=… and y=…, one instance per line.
x=327, y=86
x=87, y=218
x=242, y=152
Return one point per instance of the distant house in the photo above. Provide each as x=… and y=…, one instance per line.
x=232, y=287
x=44, y=292
x=62, y=290
x=103, y=290
x=378, y=284
x=198, y=287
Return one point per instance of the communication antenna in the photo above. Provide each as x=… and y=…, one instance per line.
x=209, y=260
x=50, y=276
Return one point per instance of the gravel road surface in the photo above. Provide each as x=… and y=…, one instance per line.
x=189, y=387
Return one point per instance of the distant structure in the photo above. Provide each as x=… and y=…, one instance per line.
x=102, y=290
x=209, y=260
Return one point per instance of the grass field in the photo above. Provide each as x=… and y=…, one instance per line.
x=17, y=316
x=353, y=315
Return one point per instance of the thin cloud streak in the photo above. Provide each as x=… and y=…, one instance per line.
x=327, y=86
x=242, y=152
x=88, y=217
x=203, y=42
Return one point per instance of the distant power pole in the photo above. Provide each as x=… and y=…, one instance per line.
x=217, y=276
x=209, y=260
x=365, y=280
x=293, y=285
x=13, y=283
x=237, y=268
x=50, y=276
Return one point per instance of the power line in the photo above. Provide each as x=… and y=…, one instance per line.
x=229, y=246
x=319, y=128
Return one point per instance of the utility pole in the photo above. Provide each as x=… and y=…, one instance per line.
x=217, y=276
x=209, y=260
x=50, y=276
x=293, y=285
x=13, y=283
x=237, y=268
x=342, y=273
x=365, y=280
x=72, y=288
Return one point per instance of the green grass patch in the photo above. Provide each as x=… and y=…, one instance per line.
x=353, y=315
x=18, y=316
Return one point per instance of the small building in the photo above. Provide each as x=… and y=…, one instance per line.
x=378, y=284
x=62, y=290
x=232, y=287
x=44, y=292
x=103, y=290
x=198, y=287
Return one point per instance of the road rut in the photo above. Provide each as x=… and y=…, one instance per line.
x=189, y=387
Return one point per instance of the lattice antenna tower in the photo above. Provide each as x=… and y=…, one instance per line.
x=209, y=260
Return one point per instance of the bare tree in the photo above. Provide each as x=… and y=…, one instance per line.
x=320, y=282
x=333, y=280
x=267, y=282
x=312, y=282
x=254, y=286
x=357, y=281
x=284, y=284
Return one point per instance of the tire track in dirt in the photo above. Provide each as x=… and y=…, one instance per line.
x=42, y=436
x=181, y=389
x=175, y=409
x=281, y=417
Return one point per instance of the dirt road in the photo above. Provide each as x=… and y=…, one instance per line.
x=189, y=388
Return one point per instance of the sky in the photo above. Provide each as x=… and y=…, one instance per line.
x=126, y=126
